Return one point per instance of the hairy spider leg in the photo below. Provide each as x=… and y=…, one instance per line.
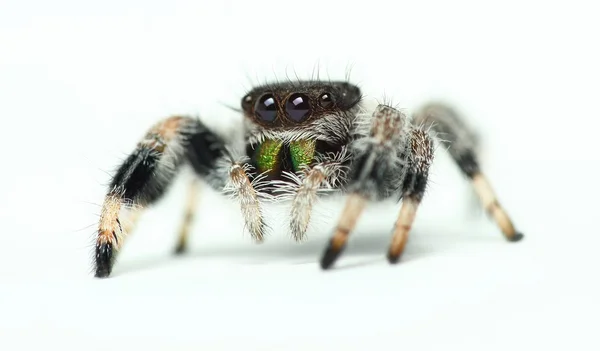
x=190, y=210
x=145, y=176
x=376, y=172
x=461, y=143
x=419, y=159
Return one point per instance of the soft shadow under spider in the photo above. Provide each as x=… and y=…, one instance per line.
x=419, y=246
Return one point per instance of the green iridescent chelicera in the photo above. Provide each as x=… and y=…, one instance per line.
x=268, y=155
x=302, y=152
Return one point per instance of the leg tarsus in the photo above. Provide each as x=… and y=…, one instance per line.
x=518, y=236
x=392, y=257
x=180, y=249
x=104, y=260
x=110, y=235
x=352, y=211
x=332, y=252
x=184, y=231
x=490, y=203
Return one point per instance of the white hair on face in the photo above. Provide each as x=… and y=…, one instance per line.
x=333, y=128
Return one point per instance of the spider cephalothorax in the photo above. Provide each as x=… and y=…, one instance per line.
x=287, y=126
x=300, y=140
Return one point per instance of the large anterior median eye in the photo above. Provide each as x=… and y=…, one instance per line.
x=298, y=107
x=266, y=108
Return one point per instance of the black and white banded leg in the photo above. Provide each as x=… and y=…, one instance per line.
x=145, y=176
x=414, y=185
x=376, y=172
x=461, y=143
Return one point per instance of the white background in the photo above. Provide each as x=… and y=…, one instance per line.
x=81, y=81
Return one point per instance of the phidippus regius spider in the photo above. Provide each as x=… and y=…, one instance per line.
x=300, y=140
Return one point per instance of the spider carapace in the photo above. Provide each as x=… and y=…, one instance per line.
x=300, y=140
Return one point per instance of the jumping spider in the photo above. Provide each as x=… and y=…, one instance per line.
x=300, y=139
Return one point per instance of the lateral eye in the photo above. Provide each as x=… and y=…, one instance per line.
x=298, y=107
x=326, y=100
x=247, y=102
x=266, y=108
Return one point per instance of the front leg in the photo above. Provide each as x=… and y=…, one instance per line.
x=376, y=172
x=144, y=177
x=420, y=157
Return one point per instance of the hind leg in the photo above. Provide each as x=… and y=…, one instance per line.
x=461, y=143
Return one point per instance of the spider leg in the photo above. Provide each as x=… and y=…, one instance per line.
x=377, y=167
x=144, y=177
x=190, y=210
x=461, y=143
x=420, y=157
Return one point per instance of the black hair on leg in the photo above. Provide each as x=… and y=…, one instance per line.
x=144, y=177
x=461, y=143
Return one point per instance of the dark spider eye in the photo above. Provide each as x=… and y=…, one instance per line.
x=325, y=100
x=246, y=102
x=298, y=107
x=266, y=108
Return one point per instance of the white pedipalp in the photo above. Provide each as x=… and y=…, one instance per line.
x=304, y=188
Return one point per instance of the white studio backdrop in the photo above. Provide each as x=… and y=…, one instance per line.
x=81, y=81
